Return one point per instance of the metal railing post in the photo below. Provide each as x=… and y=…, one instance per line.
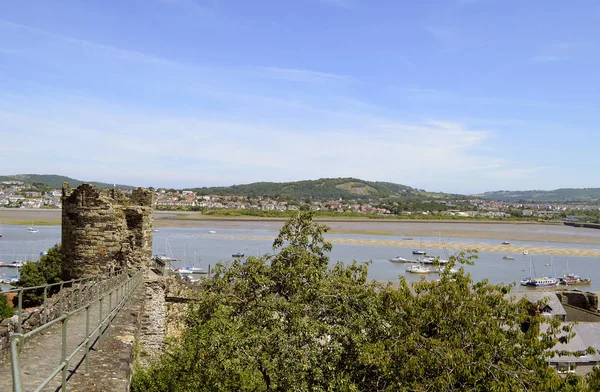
x=100, y=324
x=63, y=354
x=45, y=318
x=87, y=336
x=60, y=299
x=15, y=359
x=20, y=312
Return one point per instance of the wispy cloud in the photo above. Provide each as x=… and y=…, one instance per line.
x=452, y=38
x=348, y=4
x=518, y=173
x=90, y=46
x=303, y=75
x=191, y=5
x=206, y=152
x=549, y=58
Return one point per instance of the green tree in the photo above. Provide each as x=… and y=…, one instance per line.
x=46, y=271
x=5, y=309
x=290, y=321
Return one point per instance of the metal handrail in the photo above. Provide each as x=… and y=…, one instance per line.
x=122, y=286
x=79, y=282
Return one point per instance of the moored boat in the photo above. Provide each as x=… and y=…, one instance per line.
x=238, y=254
x=419, y=252
x=399, y=259
x=432, y=260
x=420, y=269
x=508, y=258
x=542, y=282
x=572, y=279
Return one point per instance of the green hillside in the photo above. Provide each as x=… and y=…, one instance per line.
x=56, y=181
x=321, y=189
x=588, y=195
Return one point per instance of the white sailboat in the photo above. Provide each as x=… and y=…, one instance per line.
x=525, y=281
x=32, y=229
x=546, y=281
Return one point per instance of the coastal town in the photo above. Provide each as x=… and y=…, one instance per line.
x=17, y=194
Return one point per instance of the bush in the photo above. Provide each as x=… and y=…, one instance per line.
x=47, y=270
x=5, y=309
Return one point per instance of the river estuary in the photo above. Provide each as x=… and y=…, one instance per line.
x=203, y=246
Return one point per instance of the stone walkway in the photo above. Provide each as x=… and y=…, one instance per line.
x=41, y=354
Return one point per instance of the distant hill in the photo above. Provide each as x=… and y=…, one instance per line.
x=589, y=195
x=321, y=189
x=56, y=181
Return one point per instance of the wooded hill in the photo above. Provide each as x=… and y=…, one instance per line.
x=56, y=181
x=321, y=189
x=586, y=195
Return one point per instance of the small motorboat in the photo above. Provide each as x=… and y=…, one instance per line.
x=399, y=259
x=419, y=252
x=525, y=253
x=508, y=258
x=238, y=254
x=212, y=232
x=506, y=243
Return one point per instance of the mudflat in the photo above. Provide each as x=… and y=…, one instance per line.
x=494, y=230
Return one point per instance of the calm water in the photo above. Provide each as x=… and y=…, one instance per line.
x=197, y=246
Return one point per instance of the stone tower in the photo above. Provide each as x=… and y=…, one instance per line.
x=104, y=231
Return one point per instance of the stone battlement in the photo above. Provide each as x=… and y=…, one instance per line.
x=104, y=231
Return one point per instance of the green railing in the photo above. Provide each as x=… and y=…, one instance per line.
x=112, y=293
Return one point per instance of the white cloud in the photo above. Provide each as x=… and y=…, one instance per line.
x=303, y=75
x=549, y=58
x=171, y=150
x=89, y=46
x=348, y=4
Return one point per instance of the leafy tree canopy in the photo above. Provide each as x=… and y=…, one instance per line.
x=46, y=271
x=289, y=321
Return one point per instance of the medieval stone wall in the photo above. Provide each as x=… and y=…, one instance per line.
x=579, y=299
x=103, y=231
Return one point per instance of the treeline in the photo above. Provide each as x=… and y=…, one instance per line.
x=232, y=213
x=585, y=195
x=322, y=189
x=54, y=181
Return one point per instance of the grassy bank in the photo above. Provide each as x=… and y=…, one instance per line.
x=355, y=215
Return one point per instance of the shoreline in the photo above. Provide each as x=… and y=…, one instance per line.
x=528, y=231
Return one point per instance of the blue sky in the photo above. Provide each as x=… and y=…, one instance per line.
x=445, y=95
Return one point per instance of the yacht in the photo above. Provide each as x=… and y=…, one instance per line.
x=420, y=269
x=572, y=279
x=542, y=282
x=432, y=259
x=399, y=259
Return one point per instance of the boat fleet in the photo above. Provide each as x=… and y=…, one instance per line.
x=423, y=265
x=431, y=264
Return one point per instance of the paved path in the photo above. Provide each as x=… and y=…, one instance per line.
x=41, y=354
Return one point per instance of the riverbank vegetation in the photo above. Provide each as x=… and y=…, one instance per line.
x=45, y=271
x=241, y=213
x=287, y=322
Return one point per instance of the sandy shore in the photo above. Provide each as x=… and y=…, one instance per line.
x=500, y=231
